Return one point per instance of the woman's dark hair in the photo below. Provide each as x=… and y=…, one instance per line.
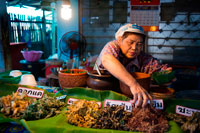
x=126, y=34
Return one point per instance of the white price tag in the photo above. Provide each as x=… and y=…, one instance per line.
x=72, y=100
x=61, y=97
x=185, y=110
x=158, y=103
x=31, y=92
x=127, y=104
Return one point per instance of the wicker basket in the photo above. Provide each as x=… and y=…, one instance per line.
x=76, y=79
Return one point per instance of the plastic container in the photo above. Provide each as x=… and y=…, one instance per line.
x=51, y=64
x=32, y=56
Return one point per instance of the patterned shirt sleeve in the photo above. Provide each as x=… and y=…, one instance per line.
x=111, y=48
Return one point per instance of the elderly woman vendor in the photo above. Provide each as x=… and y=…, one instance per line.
x=124, y=55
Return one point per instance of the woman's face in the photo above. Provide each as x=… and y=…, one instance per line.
x=131, y=46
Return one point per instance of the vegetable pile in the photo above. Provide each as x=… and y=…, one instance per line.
x=43, y=108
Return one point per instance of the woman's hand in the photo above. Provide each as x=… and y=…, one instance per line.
x=118, y=70
x=140, y=95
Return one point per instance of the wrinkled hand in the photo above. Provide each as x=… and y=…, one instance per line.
x=140, y=95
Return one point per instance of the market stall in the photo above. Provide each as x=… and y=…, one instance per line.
x=99, y=99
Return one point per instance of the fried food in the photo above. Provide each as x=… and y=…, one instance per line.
x=14, y=105
x=83, y=113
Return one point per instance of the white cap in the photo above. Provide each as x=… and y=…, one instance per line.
x=129, y=28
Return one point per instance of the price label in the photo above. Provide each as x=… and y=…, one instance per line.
x=61, y=97
x=158, y=103
x=185, y=110
x=72, y=100
x=127, y=104
x=31, y=92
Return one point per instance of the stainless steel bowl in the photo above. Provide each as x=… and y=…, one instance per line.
x=55, y=70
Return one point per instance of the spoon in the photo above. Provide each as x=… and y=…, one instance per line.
x=96, y=66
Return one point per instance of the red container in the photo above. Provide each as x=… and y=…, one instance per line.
x=51, y=63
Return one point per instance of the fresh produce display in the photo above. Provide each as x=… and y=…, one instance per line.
x=148, y=120
x=191, y=124
x=14, y=105
x=83, y=113
x=43, y=108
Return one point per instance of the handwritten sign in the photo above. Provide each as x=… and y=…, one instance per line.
x=127, y=104
x=185, y=110
x=61, y=97
x=157, y=103
x=31, y=92
x=72, y=100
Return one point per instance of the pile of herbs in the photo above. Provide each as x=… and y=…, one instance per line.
x=43, y=108
x=73, y=71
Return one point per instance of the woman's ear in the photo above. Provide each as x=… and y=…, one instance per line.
x=119, y=39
